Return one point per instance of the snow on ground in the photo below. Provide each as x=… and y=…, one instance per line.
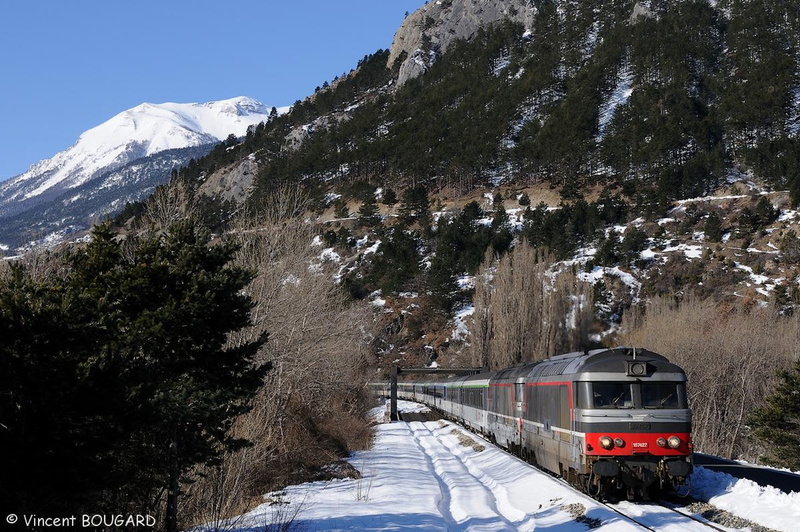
x=422, y=476
x=418, y=476
x=598, y=272
x=766, y=506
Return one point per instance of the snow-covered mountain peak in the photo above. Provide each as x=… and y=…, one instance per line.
x=144, y=130
x=159, y=127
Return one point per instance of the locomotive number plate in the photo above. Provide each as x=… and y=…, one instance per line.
x=639, y=426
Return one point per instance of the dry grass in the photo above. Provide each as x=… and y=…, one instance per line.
x=465, y=441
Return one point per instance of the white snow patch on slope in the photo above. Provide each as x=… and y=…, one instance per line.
x=619, y=96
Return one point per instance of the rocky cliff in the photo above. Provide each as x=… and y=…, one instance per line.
x=428, y=32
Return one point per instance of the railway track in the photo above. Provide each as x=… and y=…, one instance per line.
x=662, y=517
x=658, y=516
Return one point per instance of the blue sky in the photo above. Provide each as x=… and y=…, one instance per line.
x=67, y=66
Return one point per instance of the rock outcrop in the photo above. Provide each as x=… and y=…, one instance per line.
x=428, y=32
x=231, y=183
x=640, y=11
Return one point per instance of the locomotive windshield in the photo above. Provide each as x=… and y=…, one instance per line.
x=663, y=395
x=612, y=395
x=648, y=394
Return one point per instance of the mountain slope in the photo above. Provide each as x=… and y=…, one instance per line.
x=139, y=132
x=608, y=112
x=664, y=100
x=78, y=208
x=108, y=150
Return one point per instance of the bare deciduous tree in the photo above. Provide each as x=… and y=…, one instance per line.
x=168, y=204
x=527, y=309
x=730, y=355
x=312, y=401
x=41, y=263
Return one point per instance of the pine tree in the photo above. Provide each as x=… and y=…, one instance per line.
x=368, y=214
x=502, y=236
x=397, y=261
x=713, y=227
x=608, y=249
x=169, y=313
x=416, y=207
x=41, y=433
x=389, y=197
x=765, y=213
x=777, y=424
x=634, y=242
x=340, y=209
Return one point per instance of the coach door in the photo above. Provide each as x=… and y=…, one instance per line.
x=519, y=406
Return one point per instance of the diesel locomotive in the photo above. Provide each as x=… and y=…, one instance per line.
x=614, y=422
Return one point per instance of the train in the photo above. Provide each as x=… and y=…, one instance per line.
x=613, y=422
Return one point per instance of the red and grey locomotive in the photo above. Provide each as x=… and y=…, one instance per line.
x=611, y=421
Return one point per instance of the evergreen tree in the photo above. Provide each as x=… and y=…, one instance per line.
x=396, y=262
x=608, y=249
x=765, y=213
x=777, y=423
x=713, y=227
x=442, y=276
x=171, y=312
x=368, y=214
x=502, y=236
x=389, y=197
x=340, y=209
x=140, y=382
x=42, y=434
x=634, y=242
x=415, y=207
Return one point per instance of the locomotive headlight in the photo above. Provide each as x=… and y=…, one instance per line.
x=674, y=442
x=606, y=442
x=619, y=442
x=661, y=442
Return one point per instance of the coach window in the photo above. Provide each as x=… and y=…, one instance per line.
x=612, y=395
x=663, y=395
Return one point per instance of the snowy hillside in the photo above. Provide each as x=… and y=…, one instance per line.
x=133, y=134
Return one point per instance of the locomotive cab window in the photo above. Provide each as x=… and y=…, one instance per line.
x=663, y=395
x=612, y=395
